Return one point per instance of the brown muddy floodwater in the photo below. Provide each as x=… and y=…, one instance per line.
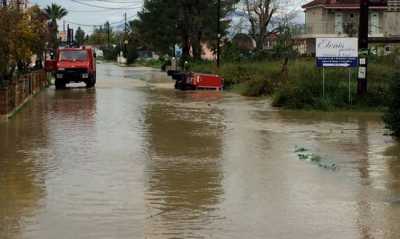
x=137, y=160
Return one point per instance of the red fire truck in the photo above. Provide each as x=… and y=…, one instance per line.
x=73, y=65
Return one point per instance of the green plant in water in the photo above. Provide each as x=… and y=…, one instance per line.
x=304, y=155
x=300, y=149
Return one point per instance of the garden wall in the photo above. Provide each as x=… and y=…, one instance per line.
x=19, y=91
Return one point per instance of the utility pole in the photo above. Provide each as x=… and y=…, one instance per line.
x=108, y=34
x=126, y=24
x=72, y=36
x=218, y=33
x=68, y=35
x=125, y=35
x=362, y=83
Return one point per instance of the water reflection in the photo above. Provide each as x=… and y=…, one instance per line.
x=393, y=152
x=183, y=173
x=22, y=178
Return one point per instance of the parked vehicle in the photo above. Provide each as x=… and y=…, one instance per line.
x=195, y=81
x=73, y=65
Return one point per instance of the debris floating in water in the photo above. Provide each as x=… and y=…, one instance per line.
x=305, y=155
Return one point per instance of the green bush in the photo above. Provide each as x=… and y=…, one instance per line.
x=151, y=63
x=392, y=114
x=206, y=67
x=303, y=88
x=257, y=87
x=131, y=53
x=249, y=73
x=109, y=53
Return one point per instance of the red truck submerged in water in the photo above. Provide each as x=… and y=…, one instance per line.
x=73, y=65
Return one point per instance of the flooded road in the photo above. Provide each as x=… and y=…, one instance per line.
x=136, y=159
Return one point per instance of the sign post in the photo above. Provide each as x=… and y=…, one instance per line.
x=323, y=81
x=349, y=85
x=336, y=52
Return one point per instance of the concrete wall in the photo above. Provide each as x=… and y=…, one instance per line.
x=321, y=21
x=314, y=21
x=19, y=91
x=391, y=23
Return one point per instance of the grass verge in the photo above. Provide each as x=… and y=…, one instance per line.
x=300, y=87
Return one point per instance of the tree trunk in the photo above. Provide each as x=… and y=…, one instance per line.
x=186, y=47
x=197, y=47
x=285, y=70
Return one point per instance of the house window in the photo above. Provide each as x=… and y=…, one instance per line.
x=338, y=23
x=374, y=26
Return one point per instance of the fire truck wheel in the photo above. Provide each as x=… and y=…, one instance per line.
x=90, y=83
x=59, y=84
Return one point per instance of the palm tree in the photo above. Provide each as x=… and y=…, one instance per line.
x=54, y=12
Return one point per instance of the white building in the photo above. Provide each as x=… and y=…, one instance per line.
x=340, y=18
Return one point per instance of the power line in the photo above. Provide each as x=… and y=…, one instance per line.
x=104, y=7
x=108, y=1
x=84, y=25
x=99, y=25
x=95, y=10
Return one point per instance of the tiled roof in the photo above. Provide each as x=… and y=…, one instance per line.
x=314, y=3
x=333, y=4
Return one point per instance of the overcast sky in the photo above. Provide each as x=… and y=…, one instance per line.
x=97, y=12
x=106, y=10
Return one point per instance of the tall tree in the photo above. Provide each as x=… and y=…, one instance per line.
x=54, y=12
x=103, y=35
x=188, y=23
x=80, y=36
x=22, y=35
x=157, y=25
x=38, y=20
x=259, y=14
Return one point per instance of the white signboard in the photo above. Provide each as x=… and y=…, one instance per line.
x=362, y=72
x=337, y=52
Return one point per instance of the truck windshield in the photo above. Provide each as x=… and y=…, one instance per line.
x=73, y=55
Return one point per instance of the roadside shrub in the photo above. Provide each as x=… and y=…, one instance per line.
x=231, y=53
x=303, y=88
x=379, y=77
x=131, y=53
x=257, y=88
x=392, y=114
x=159, y=64
x=207, y=67
x=109, y=53
x=250, y=73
